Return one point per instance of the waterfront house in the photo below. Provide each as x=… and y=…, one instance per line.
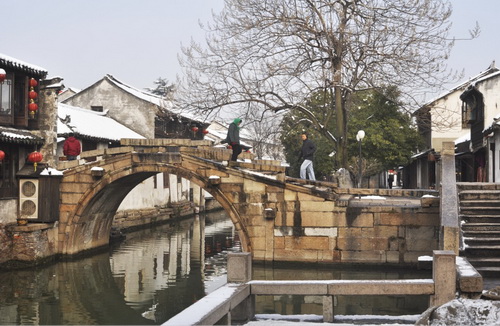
x=150, y=115
x=461, y=115
x=27, y=125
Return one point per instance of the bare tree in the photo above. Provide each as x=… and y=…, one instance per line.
x=274, y=54
x=266, y=131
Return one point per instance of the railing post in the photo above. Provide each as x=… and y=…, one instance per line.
x=450, y=226
x=239, y=267
x=328, y=309
x=239, y=270
x=444, y=274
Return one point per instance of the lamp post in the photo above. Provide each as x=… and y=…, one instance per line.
x=359, y=137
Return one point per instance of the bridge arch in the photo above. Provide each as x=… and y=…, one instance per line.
x=88, y=221
x=277, y=218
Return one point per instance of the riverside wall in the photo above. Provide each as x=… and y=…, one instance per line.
x=36, y=243
x=367, y=229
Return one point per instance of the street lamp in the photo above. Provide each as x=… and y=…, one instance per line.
x=359, y=137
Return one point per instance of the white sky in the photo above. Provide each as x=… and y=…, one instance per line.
x=138, y=41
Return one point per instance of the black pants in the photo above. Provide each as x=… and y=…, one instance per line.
x=236, y=151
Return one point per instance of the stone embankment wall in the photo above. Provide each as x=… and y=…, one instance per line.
x=382, y=230
x=136, y=218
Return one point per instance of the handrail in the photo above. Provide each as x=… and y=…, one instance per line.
x=344, y=287
x=226, y=302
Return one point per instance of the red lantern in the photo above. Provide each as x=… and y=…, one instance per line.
x=205, y=131
x=32, y=107
x=35, y=157
x=3, y=75
x=194, y=129
x=32, y=94
x=33, y=82
x=2, y=155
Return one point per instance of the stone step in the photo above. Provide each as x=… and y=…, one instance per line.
x=479, y=195
x=480, y=219
x=481, y=241
x=480, y=210
x=462, y=186
x=484, y=261
x=466, y=227
x=481, y=233
x=482, y=251
x=479, y=203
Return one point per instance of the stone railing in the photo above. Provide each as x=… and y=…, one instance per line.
x=235, y=300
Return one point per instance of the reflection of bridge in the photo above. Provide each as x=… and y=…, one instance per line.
x=275, y=219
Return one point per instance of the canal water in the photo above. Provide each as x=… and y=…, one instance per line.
x=155, y=273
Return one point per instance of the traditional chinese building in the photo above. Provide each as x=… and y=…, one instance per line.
x=28, y=109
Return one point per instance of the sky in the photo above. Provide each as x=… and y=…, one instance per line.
x=139, y=41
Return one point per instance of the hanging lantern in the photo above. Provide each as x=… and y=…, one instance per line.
x=194, y=129
x=32, y=94
x=2, y=155
x=3, y=75
x=32, y=107
x=33, y=82
x=205, y=131
x=35, y=158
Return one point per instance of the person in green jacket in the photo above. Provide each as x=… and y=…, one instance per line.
x=233, y=138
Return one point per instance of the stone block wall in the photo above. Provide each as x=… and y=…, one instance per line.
x=317, y=230
x=28, y=244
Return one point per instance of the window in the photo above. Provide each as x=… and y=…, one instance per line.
x=6, y=109
x=97, y=108
x=469, y=110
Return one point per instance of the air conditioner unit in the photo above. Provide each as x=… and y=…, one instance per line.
x=28, y=198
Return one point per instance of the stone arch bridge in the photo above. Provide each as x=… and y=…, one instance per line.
x=277, y=218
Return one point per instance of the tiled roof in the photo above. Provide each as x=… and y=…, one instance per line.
x=152, y=98
x=10, y=62
x=19, y=136
x=90, y=124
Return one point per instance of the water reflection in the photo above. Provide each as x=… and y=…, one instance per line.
x=156, y=273
x=147, y=279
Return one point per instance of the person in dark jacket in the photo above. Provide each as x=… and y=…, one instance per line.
x=71, y=147
x=233, y=138
x=307, y=153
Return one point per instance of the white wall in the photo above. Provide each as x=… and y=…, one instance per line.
x=144, y=195
x=447, y=120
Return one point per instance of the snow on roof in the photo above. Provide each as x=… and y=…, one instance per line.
x=463, y=138
x=91, y=124
x=21, y=64
x=17, y=136
x=70, y=89
x=151, y=98
x=483, y=75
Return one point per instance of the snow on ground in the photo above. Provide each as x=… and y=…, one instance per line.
x=315, y=320
x=458, y=312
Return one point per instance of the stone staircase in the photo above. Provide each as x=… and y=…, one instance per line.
x=479, y=209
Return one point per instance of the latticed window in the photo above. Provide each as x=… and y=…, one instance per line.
x=6, y=108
